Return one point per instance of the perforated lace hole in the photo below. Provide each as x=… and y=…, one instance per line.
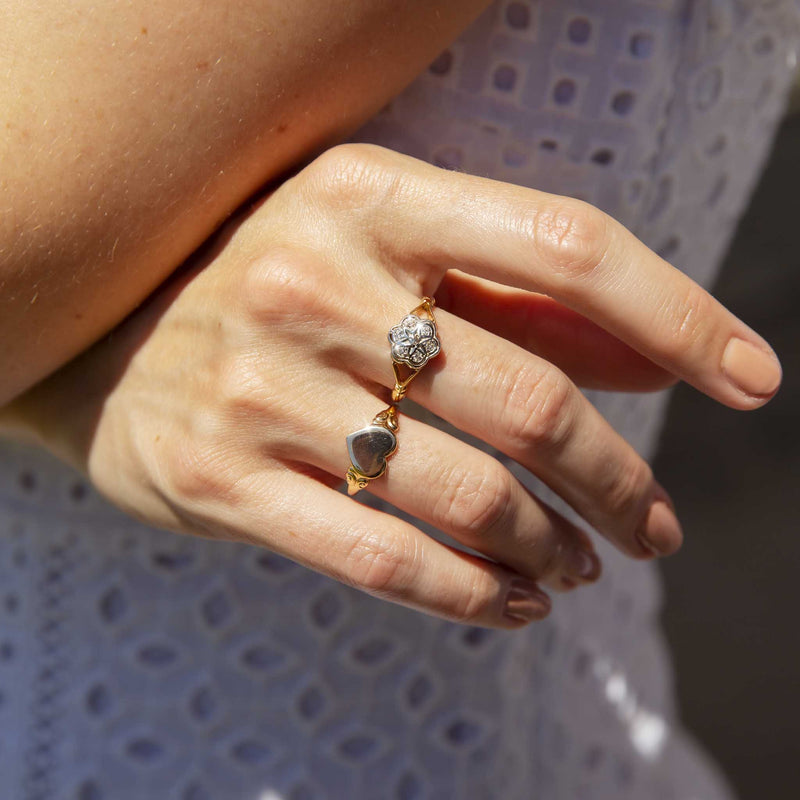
x=78, y=492
x=518, y=16
x=476, y=638
x=311, y=703
x=27, y=481
x=594, y=757
x=582, y=663
x=549, y=144
x=462, y=732
x=449, y=158
x=764, y=45
x=409, y=787
x=708, y=88
x=579, y=30
x=564, y=92
x=670, y=248
x=716, y=146
x=634, y=191
x=272, y=563
x=514, y=157
x=216, y=609
x=419, y=691
x=302, y=791
x=202, y=704
x=373, y=651
x=641, y=45
x=623, y=772
x=88, y=790
x=603, y=157
x=172, y=562
x=250, y=751
x=325, y=610
x=442, y=64
x=504, y=78
x=358, y=747
x=622, y=103
x=262, y=657
x=98, y=700
x=144, y=749
x=112, y=605
x=194, y=791
x=156, y=655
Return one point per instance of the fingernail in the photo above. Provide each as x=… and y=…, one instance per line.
x=526, y=601
x=662, y=494
x=585, y=565
x=660, y=533
x=751, y=369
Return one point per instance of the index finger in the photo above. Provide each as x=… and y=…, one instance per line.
x=429, y=220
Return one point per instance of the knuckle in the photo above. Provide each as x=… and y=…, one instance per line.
x=349, y=176
x=380, y=564
x=571, y=234
x=240, y=389
x=687, y=328
x=477, y=503
x=627, y=489
x=281, y=284
x=476, y=602
x=539, y=409
x=549, y=559
x=196, y=470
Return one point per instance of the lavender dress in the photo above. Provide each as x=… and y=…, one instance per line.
x=140, y=664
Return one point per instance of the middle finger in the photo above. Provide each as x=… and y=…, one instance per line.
x=527, y=408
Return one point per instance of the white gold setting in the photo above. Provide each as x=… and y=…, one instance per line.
x=414, y=341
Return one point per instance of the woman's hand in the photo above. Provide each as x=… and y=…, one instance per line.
x=221, y=407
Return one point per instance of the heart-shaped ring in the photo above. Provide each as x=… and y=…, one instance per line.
x=369, y=448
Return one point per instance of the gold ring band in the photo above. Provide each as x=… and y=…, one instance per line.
x=414, y=342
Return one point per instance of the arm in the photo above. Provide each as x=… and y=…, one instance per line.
x=132, y=130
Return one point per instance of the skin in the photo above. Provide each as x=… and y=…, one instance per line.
x=132, y=130
x=220, y=407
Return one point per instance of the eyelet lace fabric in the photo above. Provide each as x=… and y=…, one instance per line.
x=140, y=664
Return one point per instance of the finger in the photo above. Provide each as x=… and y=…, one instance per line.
x=463, y=492
x=528, y=409
x=302, y=519
x=588, y=354
x=558, y=246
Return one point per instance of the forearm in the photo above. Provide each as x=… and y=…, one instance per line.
x=133, y=129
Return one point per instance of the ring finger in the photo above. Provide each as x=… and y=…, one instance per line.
x=527, y=408
x=463, y=492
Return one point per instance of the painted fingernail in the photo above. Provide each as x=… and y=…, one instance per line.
x=585, y=565
x=526, y=601
x=660, y=533
x=751, y=369
x=662, y=494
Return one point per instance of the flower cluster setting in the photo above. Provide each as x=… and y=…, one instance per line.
x=414, y=341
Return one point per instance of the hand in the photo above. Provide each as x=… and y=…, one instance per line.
x=221, y=407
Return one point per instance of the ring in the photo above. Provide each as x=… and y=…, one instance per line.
x=414, y=343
